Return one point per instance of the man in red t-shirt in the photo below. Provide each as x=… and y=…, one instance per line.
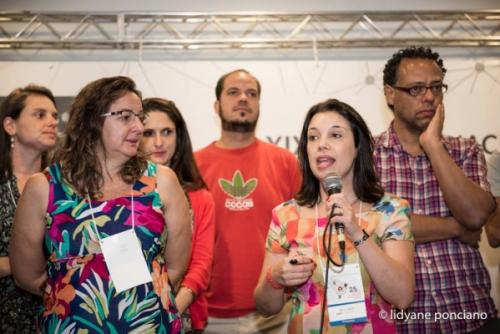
x=247, y=178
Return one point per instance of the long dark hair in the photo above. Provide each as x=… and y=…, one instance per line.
x=11, y=107
x=182, y=161
x=366, y=184
x=83, y=133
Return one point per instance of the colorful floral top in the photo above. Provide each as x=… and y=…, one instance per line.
x=80, y=296
x=18, y=308
x=388, y=219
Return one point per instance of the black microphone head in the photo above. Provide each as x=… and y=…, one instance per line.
x=332, y=184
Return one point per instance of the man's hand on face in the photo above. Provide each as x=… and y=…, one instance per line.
x=431, y=137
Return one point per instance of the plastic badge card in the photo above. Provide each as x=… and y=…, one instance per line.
x=126, y=264
x=345, y=296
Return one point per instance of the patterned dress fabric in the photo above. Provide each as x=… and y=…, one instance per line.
x=289, y=232
x=80, y=296
x=18, y=308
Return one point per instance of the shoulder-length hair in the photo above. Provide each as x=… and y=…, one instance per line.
x=366, y=184
x=83, y=133
x=12, y=107
x=182, y=161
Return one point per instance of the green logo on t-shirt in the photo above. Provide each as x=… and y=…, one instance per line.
x=238, y=189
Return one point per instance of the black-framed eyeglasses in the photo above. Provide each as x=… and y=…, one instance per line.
x=419, y=90
x=126, y=115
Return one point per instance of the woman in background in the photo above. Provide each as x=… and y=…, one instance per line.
x=166, y=141
x=335, y=140
x=29, y=129
x=90, y=233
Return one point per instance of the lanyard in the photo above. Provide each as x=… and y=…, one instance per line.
x=93, y=218
x=123, y=256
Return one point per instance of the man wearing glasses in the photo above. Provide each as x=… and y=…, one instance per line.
x=444, y=179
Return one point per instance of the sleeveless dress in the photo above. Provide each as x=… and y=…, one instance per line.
x=80, y=296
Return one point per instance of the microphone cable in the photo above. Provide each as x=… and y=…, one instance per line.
x=341, y=242
x=327, y=247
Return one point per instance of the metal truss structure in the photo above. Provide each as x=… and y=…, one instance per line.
x=257, y=30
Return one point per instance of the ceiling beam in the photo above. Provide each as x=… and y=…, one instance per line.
x=247, y=30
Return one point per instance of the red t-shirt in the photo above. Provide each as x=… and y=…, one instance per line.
x=246, y=185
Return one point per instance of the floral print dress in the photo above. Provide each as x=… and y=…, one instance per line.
x=388, y=219
x=80, y=296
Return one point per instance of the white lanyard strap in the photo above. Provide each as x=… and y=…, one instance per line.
x=93, y=217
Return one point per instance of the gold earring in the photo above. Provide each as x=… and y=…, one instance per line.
x=11, y=142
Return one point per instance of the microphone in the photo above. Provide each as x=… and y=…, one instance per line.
x=332, y=184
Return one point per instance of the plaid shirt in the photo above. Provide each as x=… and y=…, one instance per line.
x=451, y=279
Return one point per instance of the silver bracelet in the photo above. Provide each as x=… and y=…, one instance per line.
x=363, y=239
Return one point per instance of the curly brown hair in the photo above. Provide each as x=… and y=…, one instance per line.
x=77, y=155
x=412, y=52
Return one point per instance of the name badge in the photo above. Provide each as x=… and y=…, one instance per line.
x=126, y=264
x=345, y=295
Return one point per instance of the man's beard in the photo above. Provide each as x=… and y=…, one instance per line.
x=238, y=126
x=414, y=125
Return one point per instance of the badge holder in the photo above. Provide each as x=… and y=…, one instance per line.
x=123, y=256
x=345, y=295
x=126, y=264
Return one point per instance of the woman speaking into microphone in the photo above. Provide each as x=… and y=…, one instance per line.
x=375, y=270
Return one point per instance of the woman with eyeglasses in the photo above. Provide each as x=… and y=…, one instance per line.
x=90, y=233
x=166, y=141
x=29, y=129
x=366, y=273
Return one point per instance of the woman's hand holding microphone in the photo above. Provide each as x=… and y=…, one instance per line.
x=343, y=213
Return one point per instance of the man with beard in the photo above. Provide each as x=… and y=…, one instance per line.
x=247, y=178
x=444, y=179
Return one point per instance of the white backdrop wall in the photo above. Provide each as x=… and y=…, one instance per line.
x=289, y=89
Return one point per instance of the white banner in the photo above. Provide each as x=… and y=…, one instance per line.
x=289, y=89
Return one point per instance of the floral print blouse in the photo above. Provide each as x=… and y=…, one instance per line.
x=387, y=220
